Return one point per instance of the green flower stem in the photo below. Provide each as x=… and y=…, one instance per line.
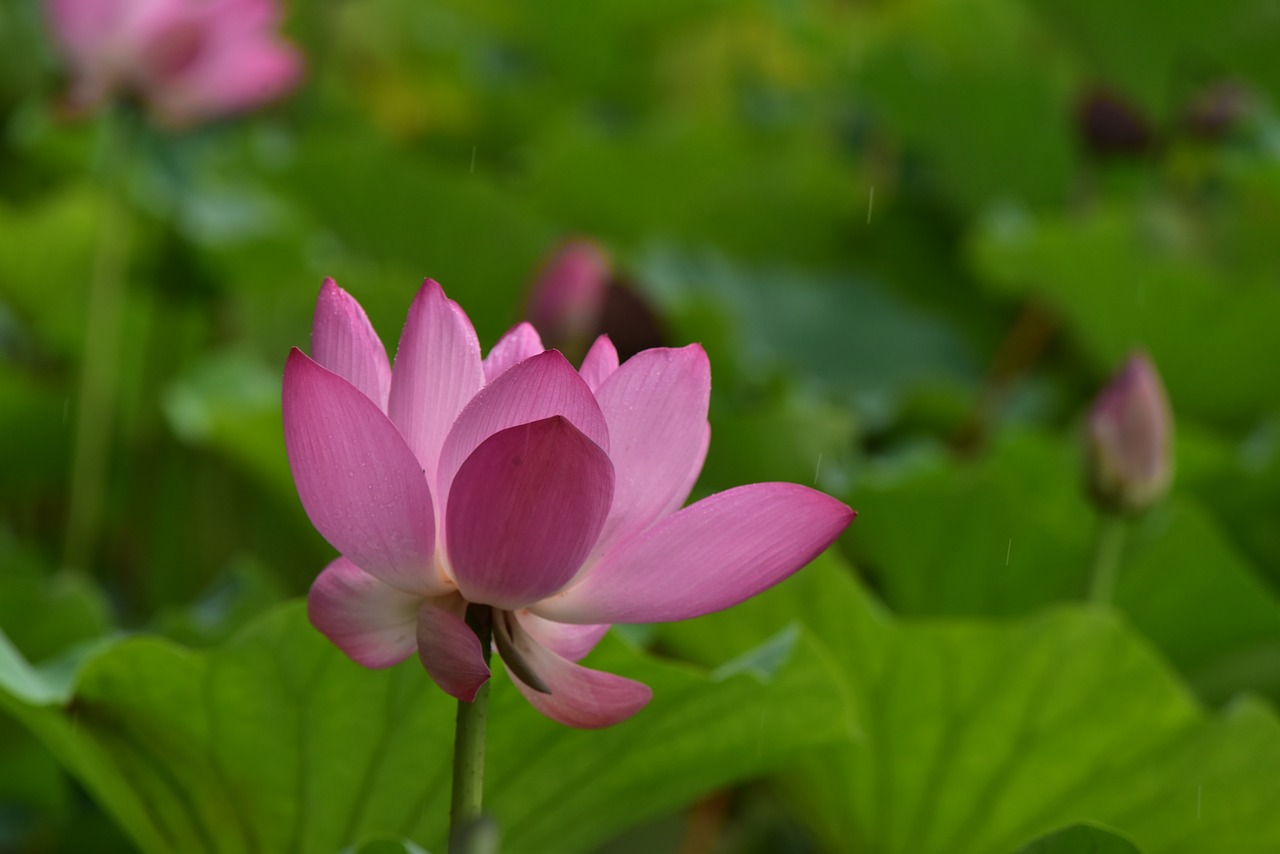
x=468, y=747
x=1107, y=546
x=98, y=394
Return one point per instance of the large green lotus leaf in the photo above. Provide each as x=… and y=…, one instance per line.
x=985, y=736
x=1013, y=532
x=1081, y=839
x=275, y=741
x=1124, y=277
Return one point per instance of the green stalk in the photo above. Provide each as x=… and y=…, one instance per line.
x=1108, y=545
x=98, y=394
x=468, y=750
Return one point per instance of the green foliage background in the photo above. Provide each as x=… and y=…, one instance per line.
x=913, y=259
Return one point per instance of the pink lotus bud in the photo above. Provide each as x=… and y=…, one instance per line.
x=1129, y=439
x=188, y=60
x=568, y=298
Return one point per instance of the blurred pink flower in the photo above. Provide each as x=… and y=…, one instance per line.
x=188, y=60
x=569, y=295
x=1129, y=439
x=552, y=495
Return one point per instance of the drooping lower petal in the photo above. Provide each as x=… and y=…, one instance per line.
x=343, y=340
x=706, y=557
x=600, y=362
x=579, y=697
x=449, y=649
x=567, y=640
x=539, y=387
x=357, y=479
x=373, y=623
x=656, y=407
x=524, y=511
x=437, y=371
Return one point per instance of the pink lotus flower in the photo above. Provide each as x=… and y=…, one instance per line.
x=1129, y=439
x=189, y=60
x=550, y=494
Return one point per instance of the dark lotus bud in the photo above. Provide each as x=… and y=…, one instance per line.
x=1111, y=125
x=1217, y=109
x=577, y=297
x=1129, y=440
x=568, y=297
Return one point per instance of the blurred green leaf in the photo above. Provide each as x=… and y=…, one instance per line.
x=1014, y=532
x=984, y=736
x=1126, y=277
x=275, y=741
x=1081, y=839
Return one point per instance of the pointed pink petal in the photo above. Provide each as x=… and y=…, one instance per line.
x=343, y=340
x=583, y=698
x=373, y=623
x=358, y=480
x=708, y=556
x=524, y=511
x=567, y=640
x=539, y=387
x=449, y=649
x=437, y=371
x=601, y=361
x=656, y=409
x=518, y=344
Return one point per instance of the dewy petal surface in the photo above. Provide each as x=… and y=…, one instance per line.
x=567, y=640
x=709, y=556
x=601, y=361
x=343, y=340
x=357, y=479
x=521, y=342
x=373, y=623
x=449, y=649
x=437, y=371
x=539, y=387
x=580, y=697
x=656, y=407
x=524, y=512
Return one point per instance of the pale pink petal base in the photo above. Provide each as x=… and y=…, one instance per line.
x=449, y=649
x=580, y=697
x=373, y=623
x=567, y=640
x=709, y=556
